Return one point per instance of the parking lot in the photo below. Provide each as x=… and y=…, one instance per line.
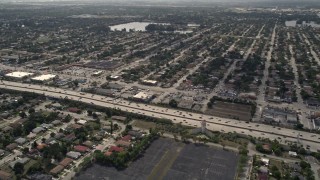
x=193, y=162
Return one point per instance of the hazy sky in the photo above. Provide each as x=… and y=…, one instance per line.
x=158, y=0
x=170, y=1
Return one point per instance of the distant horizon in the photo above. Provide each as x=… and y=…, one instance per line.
x=163, y=1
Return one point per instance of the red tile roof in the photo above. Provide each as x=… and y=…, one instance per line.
x=126, y=138
x=80, y=148
x=70, y=137
x=262, y=176
x=266, y=147
x=123, y=143
x=56, y=170
x=74, y=110
x=41, y=146
x=75, y=126
x=108, y=153
x=115, y=149
x=66, y=161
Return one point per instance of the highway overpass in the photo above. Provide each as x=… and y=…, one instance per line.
x=283, y=135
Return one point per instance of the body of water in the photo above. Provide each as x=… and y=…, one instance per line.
x=141, y=26
x=294, y=24
x=136, y=26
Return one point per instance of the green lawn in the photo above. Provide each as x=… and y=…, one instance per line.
x=144, y=124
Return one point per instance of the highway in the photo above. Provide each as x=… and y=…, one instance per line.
x=225, y=125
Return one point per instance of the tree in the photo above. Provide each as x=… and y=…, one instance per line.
x=115, y=126
x=25, y=150
x=76, y=83
x=52, y=134
x=299, y=126
x=94, y=115
x=173, y=103
x=18, y=168
x=31, y=111
x=209, y=104
x=29, y=125
x=304, y=165
x=275, y=172
x=128, y=127
x=68, y=118
x=277, y=152
x=22, y=114
x=175, y=137
x=34, y=144
x=111, y=127
x=89, y=112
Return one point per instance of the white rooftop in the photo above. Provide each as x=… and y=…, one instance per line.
x=82, y=122
x=150, y=81
x=97, y=72
x=142, y=95
x=114, y=76
x=44, y=77
x=19, y=74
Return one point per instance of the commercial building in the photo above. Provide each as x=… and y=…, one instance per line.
x=149, y=82
x=81, y=121
x=18, y=75
x=44, y=78
x=293, y=154
x=114, y=77
x=143, y=97
x=97, y=73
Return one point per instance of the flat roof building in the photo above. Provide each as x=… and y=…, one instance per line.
x=97, y=73
x=19, y=74
x=45, y=77
x=150, y=82
x=114, y=77
x=143, y=96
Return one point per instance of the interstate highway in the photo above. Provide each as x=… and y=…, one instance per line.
x=177, y=116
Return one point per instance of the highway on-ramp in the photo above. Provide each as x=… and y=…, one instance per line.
x=225, y=125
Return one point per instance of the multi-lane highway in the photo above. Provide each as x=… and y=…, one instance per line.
x=283, y=135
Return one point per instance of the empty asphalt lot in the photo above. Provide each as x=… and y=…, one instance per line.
x=192, y=162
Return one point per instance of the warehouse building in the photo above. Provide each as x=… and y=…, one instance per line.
x=44, y=78
x=18, y=75
x=143, y=97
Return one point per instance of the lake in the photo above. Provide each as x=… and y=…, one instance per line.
x=136, y=26
x=141, y=26
x=294, y=24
